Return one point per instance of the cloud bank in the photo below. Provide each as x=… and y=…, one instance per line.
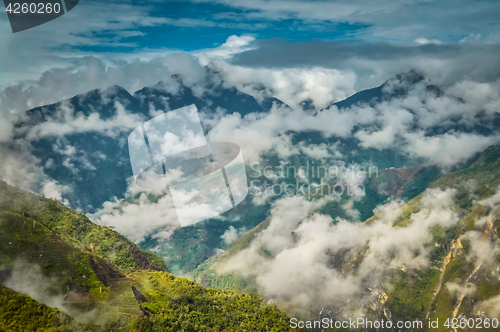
x=302, y=257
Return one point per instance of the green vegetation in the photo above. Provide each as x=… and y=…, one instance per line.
x=190, y=246
x=412, y=294
x=481, y=179
x=21, y=313
x=76, y=230
x=208, y=277
x=421, y=181
x=417, y=293
x=207, y=274
x=96, y=268
x=177, y=304
x=39, y=245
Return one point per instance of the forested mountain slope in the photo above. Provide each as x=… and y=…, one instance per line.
x=434, y=257
x=64, y=273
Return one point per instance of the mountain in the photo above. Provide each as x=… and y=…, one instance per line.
x=48, y=227
x=393, y=88
x=82, y=144
x=466, y=255
x=435, y=257
x=402, y=85
x=98, y=280
x=58, y=256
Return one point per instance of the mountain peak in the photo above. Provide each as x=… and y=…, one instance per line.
x=411, y=77
x=395, y=87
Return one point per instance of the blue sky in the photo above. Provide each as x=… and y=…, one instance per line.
x=346, y=35
x=134, y=26
x=191, y=26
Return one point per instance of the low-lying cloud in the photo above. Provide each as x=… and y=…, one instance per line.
x=301, y=246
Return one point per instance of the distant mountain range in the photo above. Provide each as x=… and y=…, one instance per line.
x=99, y=167
x=91, y=155
x=82, y=144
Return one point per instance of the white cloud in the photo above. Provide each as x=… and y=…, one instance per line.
x=52, y=189
x=234, y=44
x=66, y=122
x=425, y=41
x=300, y=245
x=316, y=151
x=256, y=133
x=141, y=218
x=291, y=85
x=483, y=250
x=16, y=169
x=389, y=124
x=401, y=21
x=448, y=149
x=456, y=290
x=491, y=306
x=232, y=234
x=28, y=279
x=493, y=200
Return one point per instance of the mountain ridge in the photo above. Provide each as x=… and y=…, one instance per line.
x=58, y=256
x=92, y=167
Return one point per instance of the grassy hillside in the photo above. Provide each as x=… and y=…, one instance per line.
x=23, y=238
x=178, y=304
x=480, y=180
x=75, y=229
x=20, y=313
x=98, y=276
